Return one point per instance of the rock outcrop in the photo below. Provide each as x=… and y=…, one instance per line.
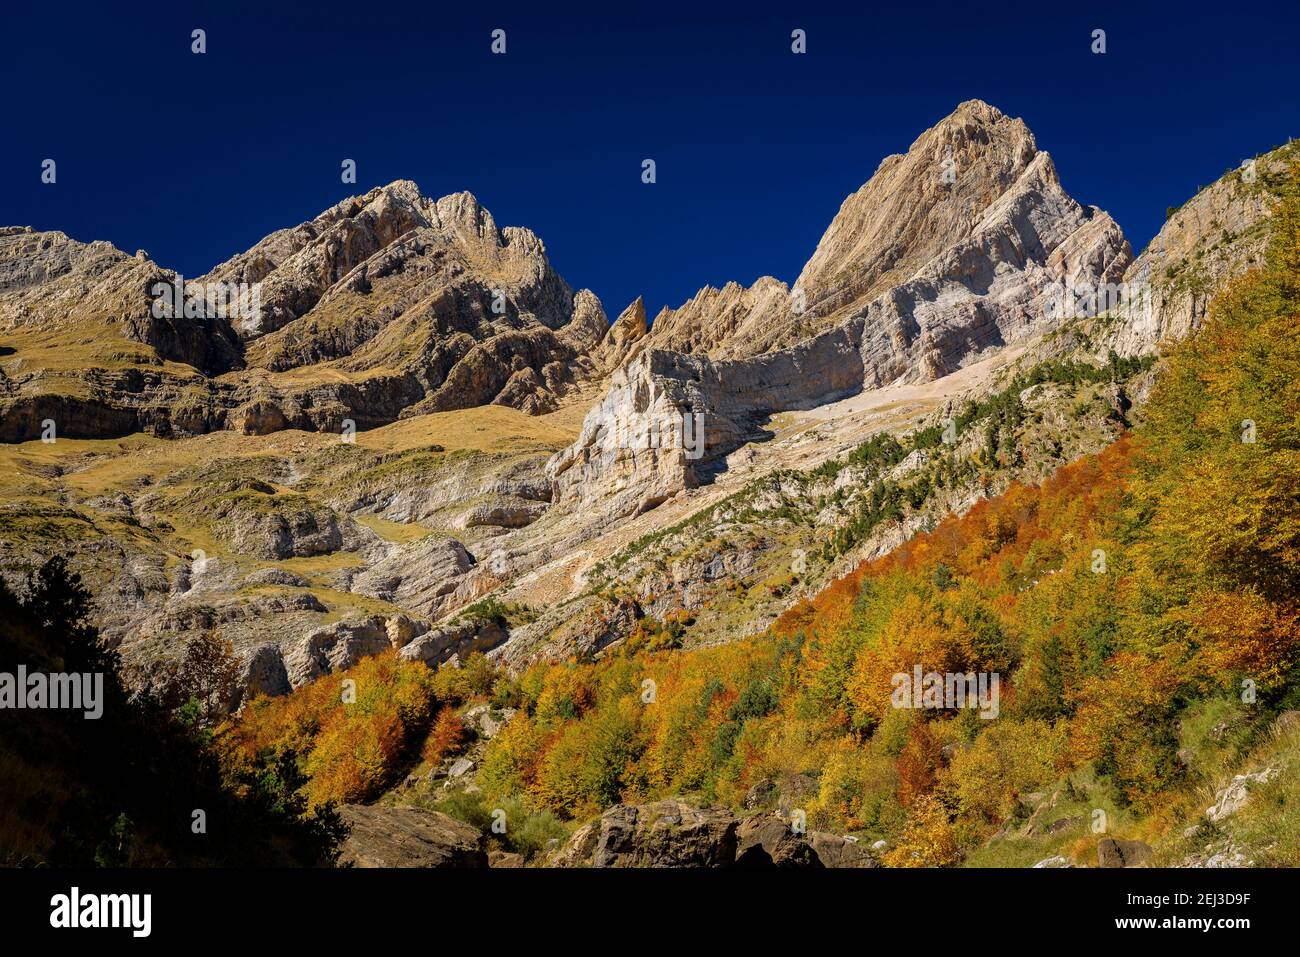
x=674, y=833
x=421, y=576
x=459, y=639
x=626, y=336
x=1216, y=235
x=668, y=833
x=1232, y=798
x=335, y=648
x=408, y=837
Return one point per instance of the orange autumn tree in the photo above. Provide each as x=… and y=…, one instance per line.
x=350, y=740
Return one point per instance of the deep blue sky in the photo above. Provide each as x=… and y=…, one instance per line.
x=194, y=158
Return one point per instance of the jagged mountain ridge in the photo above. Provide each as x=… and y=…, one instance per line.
x=386, y=304
x=382, y=306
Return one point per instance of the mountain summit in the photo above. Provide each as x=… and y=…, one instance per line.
x=974, y=185
x=383, y=305
x=948, y=252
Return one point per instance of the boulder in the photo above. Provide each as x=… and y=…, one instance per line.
x=403, y=629
x=1061, y=825
x=459, y=768
x=836, y=851
x=408, y=837
x=794, y=790
x=764, y=840
x=1285, y=721
x=669, y=833
x=578, y=850
x=487, y=721
x=760, y=795
x=1119, y=853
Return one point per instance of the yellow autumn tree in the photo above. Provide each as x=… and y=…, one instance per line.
x=928, y=839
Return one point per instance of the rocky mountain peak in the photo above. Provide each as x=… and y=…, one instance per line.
x=405, y=189
x=949, y=252
x=387, y=303
x=955, y=179
x=460, y=215
x=589, y=325
x=915, y=206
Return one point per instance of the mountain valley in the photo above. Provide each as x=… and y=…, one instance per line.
x=428, y=449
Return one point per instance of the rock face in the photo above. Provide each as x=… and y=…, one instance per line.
x=296, y=532
x=1218, y=234
x=626, y=336
x=836, y=851
x=421, y=576
x=408, y=837
x=457, y=639
x=959, y=247
x=264, y=672
x=950, y=225
x=335, y=648
x=765, y=840
x=51, y=282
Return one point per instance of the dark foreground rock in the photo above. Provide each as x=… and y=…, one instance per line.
x=408, y=837
x=668, y=833
x=673, y=833
x=766, y=840
x=1115, y=853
